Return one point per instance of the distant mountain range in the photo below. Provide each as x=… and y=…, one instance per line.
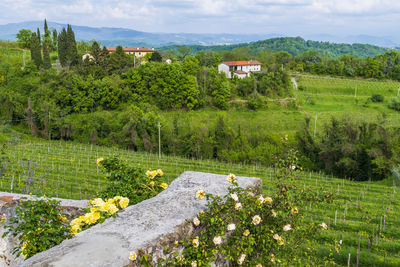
x=128, y=37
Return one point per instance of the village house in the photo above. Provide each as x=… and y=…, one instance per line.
x=134, y=51
x=240, y=69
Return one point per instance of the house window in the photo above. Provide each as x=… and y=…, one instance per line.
x=140, y=53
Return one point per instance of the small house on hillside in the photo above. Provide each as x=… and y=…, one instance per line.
x=134, y=51
x=88, y=56
x=240, y=69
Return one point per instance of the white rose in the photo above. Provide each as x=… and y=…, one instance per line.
x=196, y=221
x=217, y=240
x=231, y=227
x=234, y=197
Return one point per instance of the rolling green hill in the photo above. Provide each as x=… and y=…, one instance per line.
x=296, y=46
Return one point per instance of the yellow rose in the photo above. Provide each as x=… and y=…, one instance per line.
x=294, y=211
x=96, y=216
x=160, y=172
x=124, y=202
x=97, y=202
x=75, y=229
x=99, y=161
x=164, y=185
x=231, y=178
x=132, y=256
x=112, y=209
x=200, y=194
x=117, y=198
x=94, y=209
x=268, y=199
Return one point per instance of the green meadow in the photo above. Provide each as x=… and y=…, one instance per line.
x=318, y=98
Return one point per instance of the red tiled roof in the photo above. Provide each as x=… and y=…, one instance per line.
x=240, y=72
x=132, y=49
x=242, y=63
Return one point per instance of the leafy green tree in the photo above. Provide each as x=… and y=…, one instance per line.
x=155, y=57
x=24, y=38
x=119, y=61
x=219, y=89
x=36, y=54
x=191, y=65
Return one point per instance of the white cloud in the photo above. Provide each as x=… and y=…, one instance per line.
x=264, y=16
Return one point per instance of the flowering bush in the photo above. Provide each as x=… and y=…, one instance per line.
x=130, y=181
x=247, y=228
x=97, y=212
x=39, y=224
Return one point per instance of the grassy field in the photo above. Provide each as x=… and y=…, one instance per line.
x=321, y=98
x=368, y=209
x=12, y=54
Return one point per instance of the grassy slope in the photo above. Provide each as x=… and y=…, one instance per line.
x=322, y=96
x=359, y=207
x=10, y=53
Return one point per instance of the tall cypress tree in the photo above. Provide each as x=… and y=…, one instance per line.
x=38, y=36
x=46, y=57
x=54, y=46
x=46, y=29
x=95, y=52
x=36, y=54
x=72, y=52
x=62, y=47
x=46, y=37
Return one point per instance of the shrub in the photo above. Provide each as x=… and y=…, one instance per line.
x=130, y=181
x=395, y=104
x=347, y=148
x=255, y=103
x=377, y=98
x=247, y=228
x=39, y=224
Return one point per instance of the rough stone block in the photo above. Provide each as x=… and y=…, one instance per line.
x=144, y=225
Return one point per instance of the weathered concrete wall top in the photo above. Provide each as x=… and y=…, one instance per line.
x=138, y=226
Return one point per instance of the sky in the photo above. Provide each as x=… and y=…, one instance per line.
x=286, y=17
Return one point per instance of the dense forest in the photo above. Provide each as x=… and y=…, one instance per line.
x=294, y=46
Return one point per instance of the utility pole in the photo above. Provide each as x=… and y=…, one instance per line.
x=49, y=127
x=159, y=140
x=355, y=92
x=315, y=125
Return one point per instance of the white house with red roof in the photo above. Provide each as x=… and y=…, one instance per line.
x=240, y=69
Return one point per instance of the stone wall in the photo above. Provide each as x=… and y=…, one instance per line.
x=150, y=225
